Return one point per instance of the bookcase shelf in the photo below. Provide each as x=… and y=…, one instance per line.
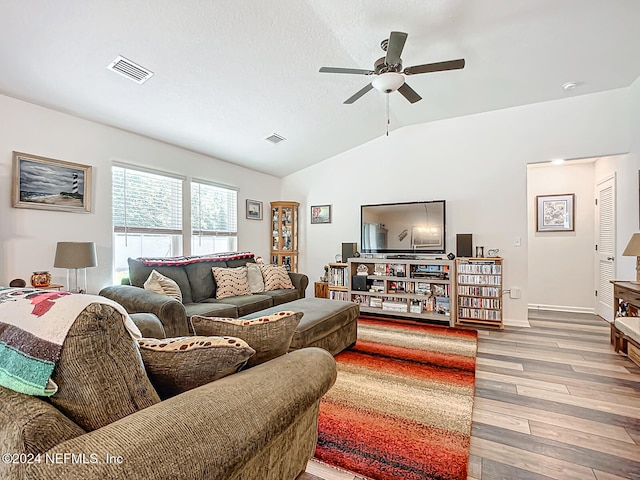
x=479, y=291
x=338, y=281
x=417, y=289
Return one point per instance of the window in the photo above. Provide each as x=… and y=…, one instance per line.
x=147, y=216
x=214, y=218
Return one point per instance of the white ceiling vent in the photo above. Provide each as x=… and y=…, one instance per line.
x=275, y=138
x=131, y=70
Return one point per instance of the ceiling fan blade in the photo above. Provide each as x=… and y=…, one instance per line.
x=358, y=94
x=356, y=71
x=409, y=93
x=394, y=48
x=435, y=67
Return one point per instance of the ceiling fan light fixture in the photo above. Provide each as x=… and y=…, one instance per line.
x=388, y=82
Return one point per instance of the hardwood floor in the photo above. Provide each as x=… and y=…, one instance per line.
x=552, y=402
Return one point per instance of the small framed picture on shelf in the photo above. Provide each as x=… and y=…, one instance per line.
x=321, y=214
x=254, y=210
x=554, y=213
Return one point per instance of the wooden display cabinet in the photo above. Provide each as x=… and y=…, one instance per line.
x=284, y=234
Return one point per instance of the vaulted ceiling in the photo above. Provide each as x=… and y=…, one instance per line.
x=228, y=74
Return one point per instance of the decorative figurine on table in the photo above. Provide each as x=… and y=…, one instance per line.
x=325, y=277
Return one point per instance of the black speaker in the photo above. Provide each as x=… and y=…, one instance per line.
x=359, y=282
x=464, y=244
x=348, y=251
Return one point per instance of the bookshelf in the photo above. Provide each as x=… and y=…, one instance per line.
x=479, y=291
x=414, y=288
x=338, y=281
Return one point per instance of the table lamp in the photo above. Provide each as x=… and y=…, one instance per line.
x=633, y=250
x=76, y=257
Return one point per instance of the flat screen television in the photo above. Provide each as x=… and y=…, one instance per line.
x=402, y=228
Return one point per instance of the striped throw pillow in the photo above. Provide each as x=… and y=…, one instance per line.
x=275, y=278
x=230, y=282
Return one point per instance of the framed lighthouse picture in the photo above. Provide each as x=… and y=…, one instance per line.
x=49, y=184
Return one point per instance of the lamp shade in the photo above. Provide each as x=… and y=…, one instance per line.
x=633, y=247
x=75, y=255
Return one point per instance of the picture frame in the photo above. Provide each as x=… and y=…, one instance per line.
x=254, y=210
x=555, y=213
x=43, y=183
x=321, y=214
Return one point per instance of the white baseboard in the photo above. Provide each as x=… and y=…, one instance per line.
x=562, y=308
x=516, y=322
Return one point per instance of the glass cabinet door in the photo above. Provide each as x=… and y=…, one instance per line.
x=284, y=234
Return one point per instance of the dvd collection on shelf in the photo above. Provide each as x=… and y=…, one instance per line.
x=479, y=291
x=413, y=288
x=338, y=276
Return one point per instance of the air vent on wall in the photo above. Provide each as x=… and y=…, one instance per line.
x=131, y=70
x=275, y=138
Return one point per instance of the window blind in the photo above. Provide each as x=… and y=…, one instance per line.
x=145, y=202
x=214, y=210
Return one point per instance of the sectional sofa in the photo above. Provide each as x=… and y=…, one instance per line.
x=198, y=288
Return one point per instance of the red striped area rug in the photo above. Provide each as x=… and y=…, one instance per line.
x=401, y=406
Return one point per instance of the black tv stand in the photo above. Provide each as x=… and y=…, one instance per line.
x=401, y=256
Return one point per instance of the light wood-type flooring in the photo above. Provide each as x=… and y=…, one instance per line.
x=552, y=402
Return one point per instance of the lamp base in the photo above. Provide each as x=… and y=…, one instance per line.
x=77, y=280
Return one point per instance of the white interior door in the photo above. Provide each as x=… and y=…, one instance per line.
x=605, y=245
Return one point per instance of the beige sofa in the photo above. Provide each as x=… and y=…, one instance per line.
x=258, y=423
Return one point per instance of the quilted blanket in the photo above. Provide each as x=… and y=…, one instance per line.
x=33, y=326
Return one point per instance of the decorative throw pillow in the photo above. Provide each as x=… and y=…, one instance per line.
x=100, y=374
x=158, y=283
x=230, y=282
x=270, y=336
x=175, y=365
x=275, y=277
x=254, y=277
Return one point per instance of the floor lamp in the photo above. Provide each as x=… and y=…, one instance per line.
x=76, y=257
x=633, y=250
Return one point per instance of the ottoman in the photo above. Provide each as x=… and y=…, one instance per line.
x=328, y=324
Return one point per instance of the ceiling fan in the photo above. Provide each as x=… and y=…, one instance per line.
x=389, y=73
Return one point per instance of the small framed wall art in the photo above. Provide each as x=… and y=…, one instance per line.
x=321, y=214
x=254, y=210
x=49, y=184
x=555, y=213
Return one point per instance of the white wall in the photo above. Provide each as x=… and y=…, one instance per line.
x=628, y=224
x=477, y=163
x=561, y=264
x=28, y=237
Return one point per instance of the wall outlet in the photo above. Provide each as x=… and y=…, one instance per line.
x=515, y=292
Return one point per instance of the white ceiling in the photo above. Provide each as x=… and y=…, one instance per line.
x=228, y=74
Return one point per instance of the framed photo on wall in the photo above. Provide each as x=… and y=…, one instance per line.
x=321, y=214
x=555, y=213
x=49, y=184
x=254, y=210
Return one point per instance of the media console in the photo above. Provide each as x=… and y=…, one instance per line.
x=421, y=289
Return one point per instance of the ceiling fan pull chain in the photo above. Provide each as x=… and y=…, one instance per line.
x=388, y=120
